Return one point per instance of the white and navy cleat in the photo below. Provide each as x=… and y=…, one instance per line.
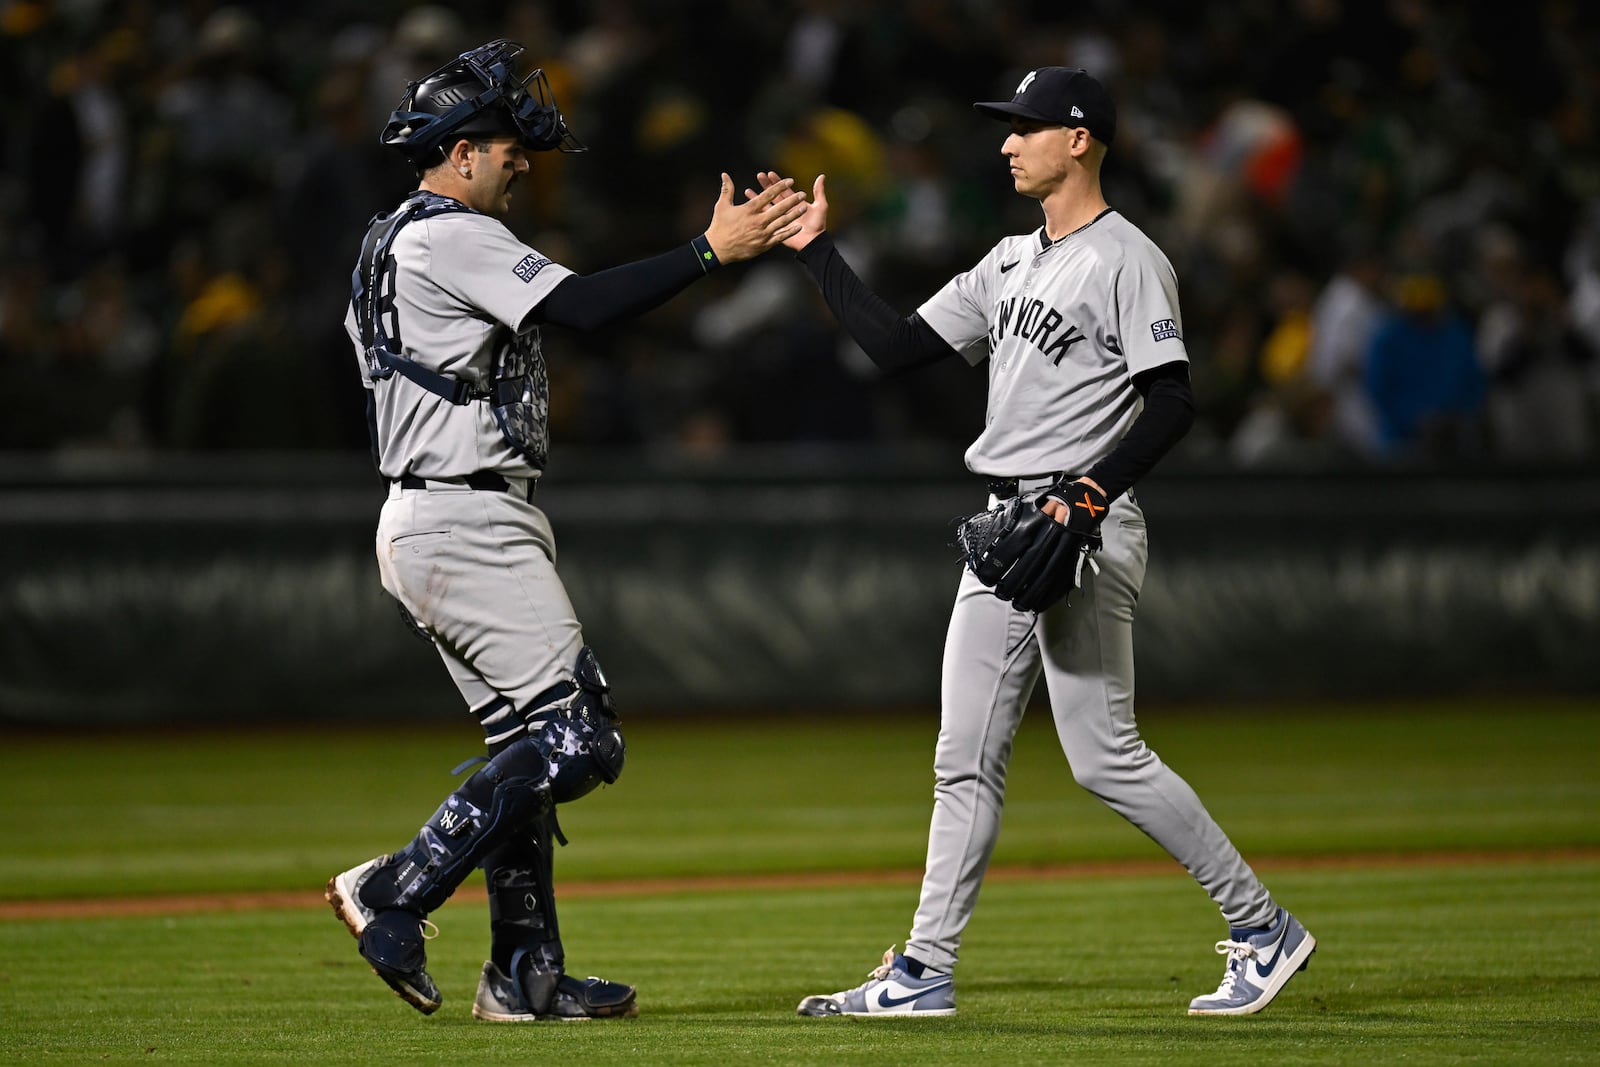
x=891, y=992
x=1260, y=963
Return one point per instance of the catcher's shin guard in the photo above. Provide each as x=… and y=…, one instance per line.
x=502, y=797
x=524, y=937
x=524, y=979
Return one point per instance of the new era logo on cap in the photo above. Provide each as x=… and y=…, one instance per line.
x=1060, y=96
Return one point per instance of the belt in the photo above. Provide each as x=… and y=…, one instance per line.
x=1006, y=488
x=487, y=481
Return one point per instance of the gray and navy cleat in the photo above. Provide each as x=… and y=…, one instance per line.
x=391, y=941
x=891, y=991
x=1260, y=963
x=502, y=1000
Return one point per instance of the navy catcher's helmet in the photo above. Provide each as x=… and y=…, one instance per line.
x=478, y=92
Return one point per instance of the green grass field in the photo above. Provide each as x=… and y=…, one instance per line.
x=1448, y=859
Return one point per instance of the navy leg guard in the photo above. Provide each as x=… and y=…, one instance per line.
x=524, y=937
x=524, y=979
x=501, y=798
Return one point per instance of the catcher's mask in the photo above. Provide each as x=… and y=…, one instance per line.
x=478, y=92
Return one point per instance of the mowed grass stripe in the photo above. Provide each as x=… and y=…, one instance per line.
x=123, y=906
x=1415, y=966
x=252, y=811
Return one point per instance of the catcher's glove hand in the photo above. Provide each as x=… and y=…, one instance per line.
x=1021, y=553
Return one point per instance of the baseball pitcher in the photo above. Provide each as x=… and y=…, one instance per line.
x=1088, y=389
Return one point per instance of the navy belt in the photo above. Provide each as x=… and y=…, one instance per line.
x=1006, y=488
x=487, y=481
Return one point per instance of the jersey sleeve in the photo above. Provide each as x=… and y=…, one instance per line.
x=959, y=312
x=478, y=261
x=1145, y=303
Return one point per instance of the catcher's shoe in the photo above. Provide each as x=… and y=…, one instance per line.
x=391, y=941
x=1260, y=962
x=502, y=1000
x=890, y=991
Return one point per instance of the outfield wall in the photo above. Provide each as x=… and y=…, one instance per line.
x=186, y=588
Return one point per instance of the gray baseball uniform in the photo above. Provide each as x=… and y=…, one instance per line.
x=444, y=307
x=1065, y=326
x=476, y=569
x=1088, y=389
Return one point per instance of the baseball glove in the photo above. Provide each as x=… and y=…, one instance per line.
x=1086, y=506
x=1023, y=554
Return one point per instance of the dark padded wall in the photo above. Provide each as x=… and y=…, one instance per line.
x=179, y=593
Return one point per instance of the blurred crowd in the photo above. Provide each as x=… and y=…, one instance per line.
x=1384, y=216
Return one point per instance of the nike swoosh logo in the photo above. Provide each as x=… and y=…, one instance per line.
x=1007, y=266
x=886, y=1001
x=1262, y=970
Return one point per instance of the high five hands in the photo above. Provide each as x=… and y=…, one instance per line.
x=744, y=231
x=815, y=218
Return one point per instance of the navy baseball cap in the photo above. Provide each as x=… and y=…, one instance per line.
x=1060, y=96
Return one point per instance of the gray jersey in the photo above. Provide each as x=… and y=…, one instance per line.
x=1067, y=324
x=463, y=287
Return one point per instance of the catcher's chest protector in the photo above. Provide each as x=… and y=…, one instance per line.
x=518, y=391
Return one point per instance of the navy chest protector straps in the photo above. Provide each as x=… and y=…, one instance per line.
x=517, y=391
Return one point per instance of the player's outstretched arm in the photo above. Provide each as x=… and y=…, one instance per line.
x=737, y=232
x=894, y=342
x=816, y=216
x=744, y=231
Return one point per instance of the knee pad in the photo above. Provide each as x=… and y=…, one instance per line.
x=581, y=737
x=501, y=798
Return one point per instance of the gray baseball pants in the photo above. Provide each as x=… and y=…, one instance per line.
x=477, y=569
x=1085, y=652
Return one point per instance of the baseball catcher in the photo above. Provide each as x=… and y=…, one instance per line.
x=445, y=317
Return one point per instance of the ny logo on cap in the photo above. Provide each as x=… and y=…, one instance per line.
x=1026, y=82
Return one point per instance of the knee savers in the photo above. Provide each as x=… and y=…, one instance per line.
x=501, y=798
x=580, y=738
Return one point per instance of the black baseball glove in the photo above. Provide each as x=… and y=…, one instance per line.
x=1021, y=553
x=1086, y=506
